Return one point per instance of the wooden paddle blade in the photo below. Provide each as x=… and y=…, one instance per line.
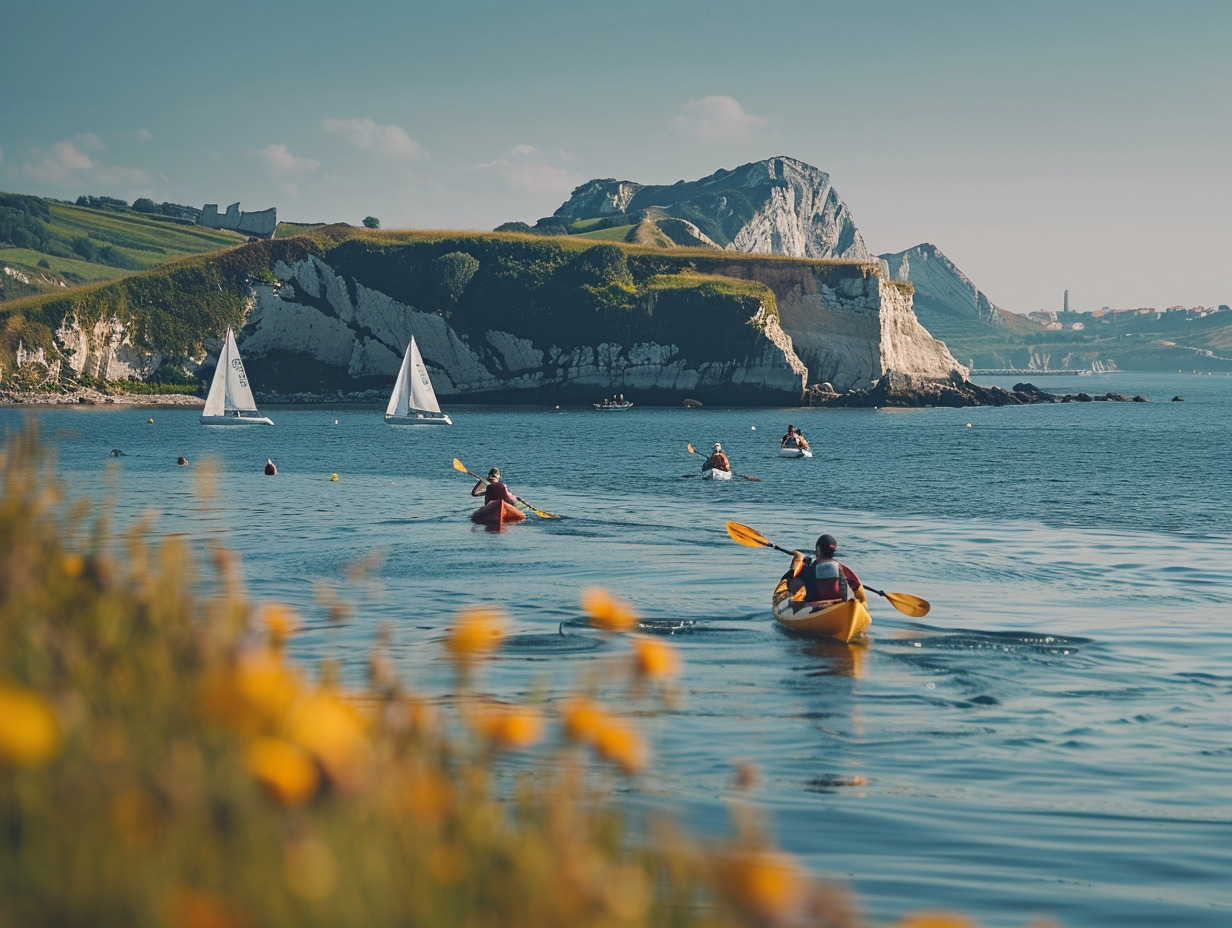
x=689, y=445
x=743, y=535
x=458, y=465
x=908, y=604
x=747, y=477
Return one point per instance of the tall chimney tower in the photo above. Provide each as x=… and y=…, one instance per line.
x=1066, y=302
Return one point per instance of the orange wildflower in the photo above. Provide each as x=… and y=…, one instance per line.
x=331, y=730
x=935, y=920
x=607, y=611
x=29, y=729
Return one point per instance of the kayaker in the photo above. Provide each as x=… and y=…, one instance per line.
x=801, y=441
x=270, y=469
x=717, y=460
x=822, y=577
x=493, y=488
x=789, y=440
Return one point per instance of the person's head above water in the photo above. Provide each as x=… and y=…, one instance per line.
x=826, y=545
x=717, y=446
x=494, y=473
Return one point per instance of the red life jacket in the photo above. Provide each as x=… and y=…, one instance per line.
x=497, y=490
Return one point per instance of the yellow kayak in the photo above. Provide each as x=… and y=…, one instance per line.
x=844, y=619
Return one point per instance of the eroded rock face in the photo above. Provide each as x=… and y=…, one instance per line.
x=776, y=206
x=105, y=350
x=322, y=321
x=942, y=291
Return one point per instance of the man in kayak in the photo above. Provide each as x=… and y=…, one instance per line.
x=794, y=439
x=717, y=460
x=822, y=577
x=492, y=488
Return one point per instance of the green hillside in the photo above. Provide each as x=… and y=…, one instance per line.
x=49, y=245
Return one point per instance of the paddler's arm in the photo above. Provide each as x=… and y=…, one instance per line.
x=857, y=588
x=478, y=488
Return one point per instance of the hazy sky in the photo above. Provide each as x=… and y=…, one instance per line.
x=1042, y=146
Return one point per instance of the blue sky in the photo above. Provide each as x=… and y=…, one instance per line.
x=1042, y=146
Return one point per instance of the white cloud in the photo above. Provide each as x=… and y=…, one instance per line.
x=716, y=119
x=89, y=141
x=144, y=135
x=368, y=135
x=284, y=166
x=56, y=165
x=530, y=176
x=541, y=178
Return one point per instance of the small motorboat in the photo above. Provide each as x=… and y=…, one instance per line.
x=714, y=473
x=498, y=513
x=625, y=405
x=843, y=619
x=794, y=451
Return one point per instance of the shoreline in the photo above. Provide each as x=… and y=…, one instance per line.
x=89, y=397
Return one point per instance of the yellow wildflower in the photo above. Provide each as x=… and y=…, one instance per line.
x=505, y=726
x=607, y=611
x=280, y=622
x=654, y=659
x=582, y=719
x=332, y=731
x=476, y=633
x=29, y=729
x=620, y=743
x=284, y=769
x=767, y=885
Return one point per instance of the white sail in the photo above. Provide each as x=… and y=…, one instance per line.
x=230, y=395
x=413, y=401
x=423, y=397
x=399, y=399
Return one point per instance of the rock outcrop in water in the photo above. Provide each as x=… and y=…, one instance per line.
x=903, y=391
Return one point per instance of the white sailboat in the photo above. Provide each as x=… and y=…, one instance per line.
x=230, y=399
x=413, y=401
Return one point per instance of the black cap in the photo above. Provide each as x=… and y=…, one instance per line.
x=827, y=543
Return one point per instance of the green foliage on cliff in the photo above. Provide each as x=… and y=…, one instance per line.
x=556, y=292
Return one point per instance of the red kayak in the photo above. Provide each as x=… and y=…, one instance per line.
x=498, y=512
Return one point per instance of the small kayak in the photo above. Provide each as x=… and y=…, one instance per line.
x=795, y=453
x=843, y=619
x=714, y=474
x=497, y=512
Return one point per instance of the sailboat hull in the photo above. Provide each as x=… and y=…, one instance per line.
x=236, y=420
x=427, y=418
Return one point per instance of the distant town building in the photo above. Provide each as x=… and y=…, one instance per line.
x=1066, y=309
x=261, y=224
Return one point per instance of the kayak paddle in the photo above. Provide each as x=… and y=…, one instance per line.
x=905, y=603
x=459, y=466
x=689, y=445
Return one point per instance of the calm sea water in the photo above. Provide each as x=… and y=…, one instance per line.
x=1052, y=740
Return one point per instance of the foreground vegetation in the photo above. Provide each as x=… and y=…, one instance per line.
x=162, y=763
